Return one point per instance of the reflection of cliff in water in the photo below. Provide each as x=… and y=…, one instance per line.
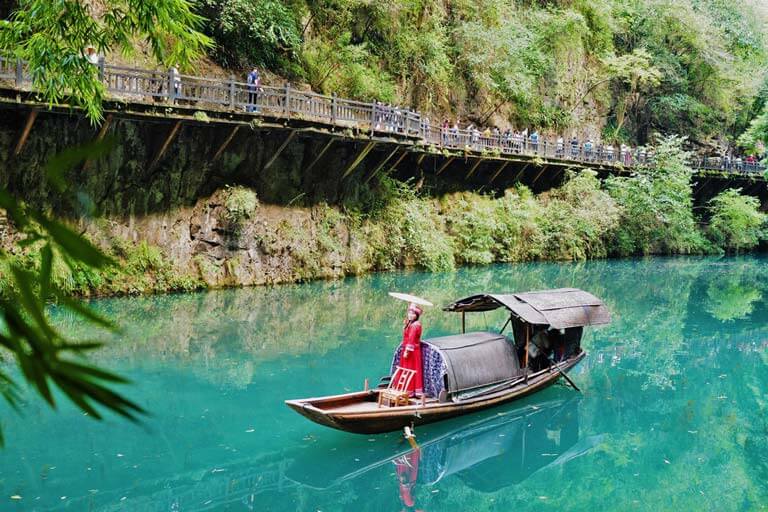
x=265, y=323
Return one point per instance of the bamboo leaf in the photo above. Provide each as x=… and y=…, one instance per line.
x=46, y=264
x=77, y=247
x=84, y=311
x=70, y=157
x=71, y=368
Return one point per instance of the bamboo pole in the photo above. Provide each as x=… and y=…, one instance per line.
x=527, y=340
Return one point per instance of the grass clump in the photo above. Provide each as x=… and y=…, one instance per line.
x=240, y=204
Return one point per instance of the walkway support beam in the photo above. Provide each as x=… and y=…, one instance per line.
x=360, y=157
x=226, y=142
x=445, y=165
x=382, y=164
x=543, y=168
x=501, y=168
x=279, y=151
x=319, y=155
x=168, y=139
x=474, y=167
x=25, y=132
x=99, y=137
x=517, y=178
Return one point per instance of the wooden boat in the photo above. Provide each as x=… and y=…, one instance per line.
x=469, y=372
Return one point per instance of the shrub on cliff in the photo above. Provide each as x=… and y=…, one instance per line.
x=426, y=240
x=657, y=205
x=240, y=203
x=518, y=234
x=578, y=220
x=737, y=224
x=472, y=223
x=407, y=230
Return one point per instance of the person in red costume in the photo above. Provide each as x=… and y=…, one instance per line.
x=411, y=354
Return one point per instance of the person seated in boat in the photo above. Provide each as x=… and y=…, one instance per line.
x=410, y=357
x=555, y=344
x=539, y=349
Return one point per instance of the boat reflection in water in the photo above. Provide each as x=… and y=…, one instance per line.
x=497, y=449
x=489, y=454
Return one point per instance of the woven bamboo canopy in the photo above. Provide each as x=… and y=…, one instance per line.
x=560, y=308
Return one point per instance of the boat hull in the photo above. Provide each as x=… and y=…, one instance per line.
x=358, y=412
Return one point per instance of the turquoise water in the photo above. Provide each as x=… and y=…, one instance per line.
x=672, y=415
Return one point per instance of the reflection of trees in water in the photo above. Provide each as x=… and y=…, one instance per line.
x=730, y=298
x=659, y=371
x=237, y=330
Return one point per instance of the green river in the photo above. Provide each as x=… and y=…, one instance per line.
x=672, y=415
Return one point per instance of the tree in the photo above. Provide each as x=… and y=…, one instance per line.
x=737, y=224
x=756, y=136
x=637, y=73
x=42, y=352
x=657, y=204
x=52, y=35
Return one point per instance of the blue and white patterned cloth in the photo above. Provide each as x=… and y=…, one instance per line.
x=434, y=368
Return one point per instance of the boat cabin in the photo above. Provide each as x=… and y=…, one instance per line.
x=543, y=328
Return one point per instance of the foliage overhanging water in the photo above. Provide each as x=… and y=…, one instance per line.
x=673, y=413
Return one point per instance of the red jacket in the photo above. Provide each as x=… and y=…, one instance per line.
x=411, y=355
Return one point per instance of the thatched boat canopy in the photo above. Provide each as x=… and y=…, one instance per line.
x=561, y=308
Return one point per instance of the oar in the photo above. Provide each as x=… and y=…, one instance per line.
x=566, y=377
x=560, y=371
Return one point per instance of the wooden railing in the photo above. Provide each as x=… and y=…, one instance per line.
x=143, y=85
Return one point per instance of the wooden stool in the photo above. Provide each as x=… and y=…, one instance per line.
x=397, y=392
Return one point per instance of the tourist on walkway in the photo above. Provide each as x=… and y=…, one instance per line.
x=535, y=141
x=175, y=81
x=444, y=131
x=560, y=147
x=254, y=86
x=455, y=132
x=91, y=55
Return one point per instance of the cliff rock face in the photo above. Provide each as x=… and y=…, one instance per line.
x=275, y=244
x=176, y=203
x=137, y=178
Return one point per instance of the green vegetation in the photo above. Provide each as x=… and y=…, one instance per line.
x=657, y=206
x=53, y=37
x=691, y=67
x=737, y=224
x=240, y=204
x=31, y=278
x=650, y=212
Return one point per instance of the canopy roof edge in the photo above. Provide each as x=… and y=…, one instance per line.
x=559, y=308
